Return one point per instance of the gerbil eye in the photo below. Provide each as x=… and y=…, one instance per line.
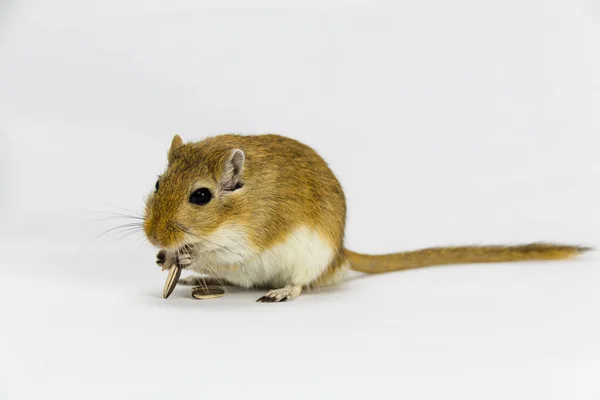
x=157, y=185
x=200, y=196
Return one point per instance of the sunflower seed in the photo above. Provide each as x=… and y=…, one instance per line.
x=172, y=279
x=207, y=292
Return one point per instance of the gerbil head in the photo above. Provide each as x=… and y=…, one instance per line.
x=201, y=189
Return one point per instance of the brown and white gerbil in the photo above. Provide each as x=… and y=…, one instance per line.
x=266, y=211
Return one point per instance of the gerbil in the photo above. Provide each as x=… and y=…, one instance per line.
x=266, y=211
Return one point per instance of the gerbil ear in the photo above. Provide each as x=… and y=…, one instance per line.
x=175, y=144
x=232, y=170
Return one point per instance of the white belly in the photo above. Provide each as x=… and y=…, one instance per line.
x=300, y=259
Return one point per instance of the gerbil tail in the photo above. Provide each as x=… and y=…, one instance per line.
x=374, y=264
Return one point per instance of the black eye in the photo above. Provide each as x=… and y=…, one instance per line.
x=200, y=196
x=157, y=186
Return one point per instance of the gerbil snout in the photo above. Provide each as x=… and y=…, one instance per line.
x=163, y=234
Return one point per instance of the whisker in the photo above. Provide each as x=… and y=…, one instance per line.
x=125, y=209
x=116, y=217
x=111, y=215
x=219, y=246
x=190, y=248
x=141, y=241
x=211, y=273
x=119, y=214
x=128, y=232
x=121, y=227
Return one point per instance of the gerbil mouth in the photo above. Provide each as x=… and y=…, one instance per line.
x=179, y=249
x=193, y=249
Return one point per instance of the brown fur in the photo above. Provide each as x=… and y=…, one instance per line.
x=287, y=184
x=374, y=264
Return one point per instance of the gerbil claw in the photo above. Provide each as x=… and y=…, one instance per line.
x=266, y=299
x=163, y=260
x=161, y=257
x=280, y=295
x=269, y=299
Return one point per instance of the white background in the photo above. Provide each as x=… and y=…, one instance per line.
x=448, y=122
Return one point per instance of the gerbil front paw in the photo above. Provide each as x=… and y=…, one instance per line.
x=184, y=257
x=184, y=260
x=280, y=295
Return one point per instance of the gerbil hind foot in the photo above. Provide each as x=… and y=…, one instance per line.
x=289, y=292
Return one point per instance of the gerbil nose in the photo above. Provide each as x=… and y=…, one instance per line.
x=162, y=232
x=155, y=229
